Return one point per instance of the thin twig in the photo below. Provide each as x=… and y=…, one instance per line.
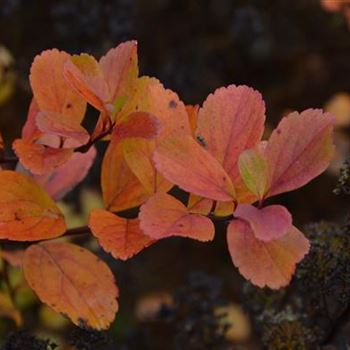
x=69, y=233
x=8, y=160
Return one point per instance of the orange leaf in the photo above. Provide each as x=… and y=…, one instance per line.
x=120, y=187
x=27, y=213
x=269, y=264
x=128, y=173
x=199, y=205
x=268, y=223
x=152, y=97
x=181, y=160
x=299, y=149
x=50, y=89
x=192, y=112
x=230, y=121
x=64, y=178
x=164, y=216
x=40, y=159
x=121, y=237
x=84, y=74
x=120, y=69
x=73, y=281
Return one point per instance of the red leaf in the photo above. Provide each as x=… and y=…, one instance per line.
x=139, y=124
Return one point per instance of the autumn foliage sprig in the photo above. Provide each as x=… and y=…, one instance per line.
x=214, y=152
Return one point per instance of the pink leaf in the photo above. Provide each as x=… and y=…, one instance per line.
x=64, y=178
x=269, y=223
x=269, y=264
x=55, y=124
x=230, y=121
x=299, y=149
x=181, y=160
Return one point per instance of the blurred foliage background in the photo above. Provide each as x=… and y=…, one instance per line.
x=296, y=53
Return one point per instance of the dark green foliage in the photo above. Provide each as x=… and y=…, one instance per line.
x=84, y=339
x=313, y=309
x=343, y=184
x=192, y=316
x=22, y=340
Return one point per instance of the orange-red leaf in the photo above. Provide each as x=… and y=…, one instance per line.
x=269, y=264
x=27, y=213
x=121, y=189
x=120, y=69
x=164, y=216
x=84, y=74
x=181, y=160
x=121, y=237
x=50, y=89
x=192, y=112
x=128, y=173
x=73, y=281
x=230, y=121
x=40, y=159
x=268, y=223
x=299, y=149
x=64, y=178
x=139, y=124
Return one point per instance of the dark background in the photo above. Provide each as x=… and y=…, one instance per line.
x=293, y=52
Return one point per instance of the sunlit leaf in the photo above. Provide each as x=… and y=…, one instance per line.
x=27, y=213
x=72, y=281
x=120, y=69
x=50, y=89
x=84, y=74
x=254, y=171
